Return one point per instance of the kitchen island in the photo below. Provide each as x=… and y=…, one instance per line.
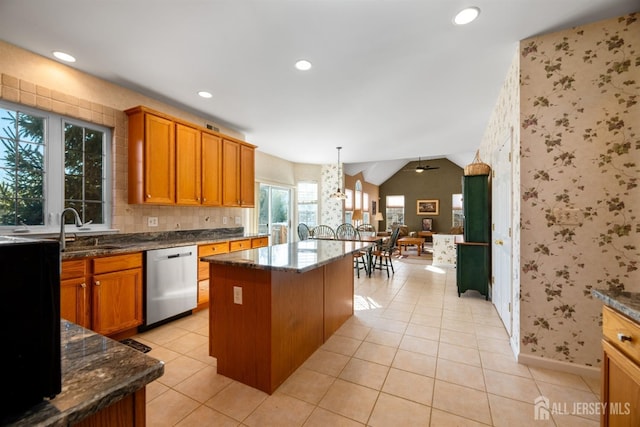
x=272, y=307
x=103, y=383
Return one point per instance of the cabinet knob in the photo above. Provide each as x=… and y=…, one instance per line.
x=83, y=285
x=148, y=196
x=499, y=242
x=97, y=282
x=622, y=337
x=204, y=199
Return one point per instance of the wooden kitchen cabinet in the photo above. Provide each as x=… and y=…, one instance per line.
x=172, y=162
x=620, y=387
x=117, y=293
x=239, y=245
x=259, y=242
x=238, y=164
x=211, y=169
x=74, y=293
x=203, y=270
x=152, y=157
x=188, y=165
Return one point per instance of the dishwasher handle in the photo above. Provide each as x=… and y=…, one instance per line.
x=179, y=255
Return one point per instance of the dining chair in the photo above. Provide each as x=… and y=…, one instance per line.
x=384, y=252
x=303, y=231
x=347, y=231
x=324, y=232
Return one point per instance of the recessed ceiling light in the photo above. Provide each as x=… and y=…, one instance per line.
x=63, y=56
x=466, y=16
x=205, y=94
x=303, y=65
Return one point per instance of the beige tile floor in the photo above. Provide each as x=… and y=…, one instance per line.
x=414, y=354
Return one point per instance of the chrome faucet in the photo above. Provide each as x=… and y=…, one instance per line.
x=78, y=222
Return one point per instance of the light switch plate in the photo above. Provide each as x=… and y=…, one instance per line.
x=237, y=295
x=567, y=216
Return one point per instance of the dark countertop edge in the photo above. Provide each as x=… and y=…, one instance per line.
x=221, y=260
x=123, y=248
x=622, y=301
x=74, y=405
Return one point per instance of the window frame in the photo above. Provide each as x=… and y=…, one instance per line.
x=54, y=172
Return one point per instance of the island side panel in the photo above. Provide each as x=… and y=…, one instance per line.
x=338, y=294
x=240, y=333
x=297, y=320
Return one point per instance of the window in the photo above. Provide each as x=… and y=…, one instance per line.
x=48, y=163
x=84, y=172
x=308, y=203
x=365, y=202
x=348, y=203
x=395, y=211
x=358, y=198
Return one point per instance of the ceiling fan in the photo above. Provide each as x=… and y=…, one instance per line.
x=420, y=168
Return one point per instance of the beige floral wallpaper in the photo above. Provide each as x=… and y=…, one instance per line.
x=580, y=163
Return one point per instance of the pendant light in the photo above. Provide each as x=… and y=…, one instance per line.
x=338, y=193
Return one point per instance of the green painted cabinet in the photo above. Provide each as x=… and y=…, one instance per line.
x=472, y=270
x=474, y=255
x=476, y=208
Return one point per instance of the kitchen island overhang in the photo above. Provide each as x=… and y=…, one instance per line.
x=272, y=307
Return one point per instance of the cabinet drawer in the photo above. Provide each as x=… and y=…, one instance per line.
x=259, y=242
x=207, y=250
x=213, y=249
x=117, y=263
x=239, y=245
x=615, y=326
x=73, y=268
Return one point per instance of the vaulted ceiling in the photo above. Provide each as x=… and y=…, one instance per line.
x=390, y=80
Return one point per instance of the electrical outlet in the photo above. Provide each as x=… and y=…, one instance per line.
x=152, y=221
x=237, y=295
x=238, y=220
x=567, y=216
x=224, y=220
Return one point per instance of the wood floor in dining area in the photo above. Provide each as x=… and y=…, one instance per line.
x=413, y=354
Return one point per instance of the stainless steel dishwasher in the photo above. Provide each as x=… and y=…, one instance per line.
x=171, y=283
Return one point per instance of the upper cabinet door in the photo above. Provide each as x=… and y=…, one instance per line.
x=477, y=210
x=211, y=169
x=152, y=158
x=230, y=173
x=188, y=165
x=247, y=176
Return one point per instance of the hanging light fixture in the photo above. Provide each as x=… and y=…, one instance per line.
x=338, y=193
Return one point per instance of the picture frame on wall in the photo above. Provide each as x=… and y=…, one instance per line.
x=374, y=207
x=428, y=207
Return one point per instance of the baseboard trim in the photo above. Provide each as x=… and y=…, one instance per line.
x=558, y=365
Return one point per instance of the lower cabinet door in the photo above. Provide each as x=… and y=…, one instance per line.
x=472, y=268
x=117, y=301
x=74, y=301
x=620, y=389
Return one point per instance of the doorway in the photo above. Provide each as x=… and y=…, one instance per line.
x=501, y=249
x=274, y=213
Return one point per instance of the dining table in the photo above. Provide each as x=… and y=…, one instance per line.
x=368, y=237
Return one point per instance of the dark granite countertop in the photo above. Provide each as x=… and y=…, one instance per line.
x=625, y=302
x=96, y=372
x=297, y=257
x=113, y=244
